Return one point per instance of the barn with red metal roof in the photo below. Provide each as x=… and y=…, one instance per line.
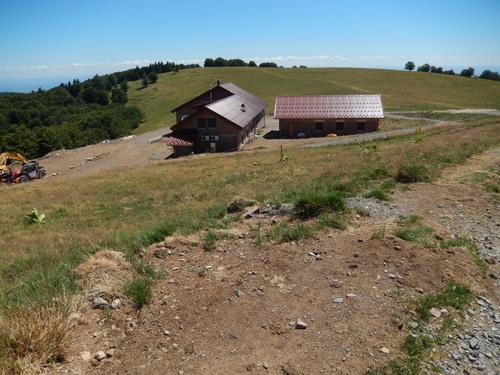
x=321, y=115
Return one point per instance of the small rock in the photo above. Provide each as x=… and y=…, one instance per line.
x=413, y=325
x=436, y=313
x=110, y=352
x=239, y=293
x=473, y=343
x=99, y=303
x=166, y=332
x=397, y=247
x=355, y=255
x=391, y=276
x=116, y=304
x=86, y=356
x=352, y=296
x=265, y=365
x=338, y=300
x=100, y=355
x=384, y=350
x=300, y=324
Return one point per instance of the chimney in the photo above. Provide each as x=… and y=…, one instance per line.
x=218, y=82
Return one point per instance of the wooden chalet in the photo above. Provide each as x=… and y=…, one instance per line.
x=319, y=116
x=220, y=120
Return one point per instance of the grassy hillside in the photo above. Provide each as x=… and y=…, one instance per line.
x=400, y=90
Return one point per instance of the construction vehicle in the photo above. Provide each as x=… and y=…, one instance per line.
x=30, y=169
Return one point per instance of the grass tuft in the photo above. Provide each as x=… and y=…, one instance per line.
x=36, y=336
x=139, y=291
x=309, y=204
x=470, y=246
x=285, y=232
x=411, y=172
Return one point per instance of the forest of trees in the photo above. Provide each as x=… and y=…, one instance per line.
x=74, y=114
x=469, y=72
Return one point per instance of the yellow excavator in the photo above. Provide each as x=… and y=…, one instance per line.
x=30, y=169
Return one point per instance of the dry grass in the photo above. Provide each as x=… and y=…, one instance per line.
x=400, y=90
x=32, y=338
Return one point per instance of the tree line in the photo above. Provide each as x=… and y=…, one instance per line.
x=74, y=114
x=221, y=62
x=469, y=72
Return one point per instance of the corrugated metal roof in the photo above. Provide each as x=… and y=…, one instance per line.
x=231, y=107
x=174, y=141
x=328, y=106
x=236, y=109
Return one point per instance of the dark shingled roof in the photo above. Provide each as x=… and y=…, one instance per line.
x=328, y=106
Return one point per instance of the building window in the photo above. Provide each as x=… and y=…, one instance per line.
x=202, y=123
x=319, y=125
x=339, y=125
x=212, y=123
x=361, y=125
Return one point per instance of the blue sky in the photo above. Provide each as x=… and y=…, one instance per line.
x=43, y=43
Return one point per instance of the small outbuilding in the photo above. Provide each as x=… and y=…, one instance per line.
x=222, y=119
x=323, y=115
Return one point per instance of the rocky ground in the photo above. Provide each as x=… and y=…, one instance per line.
x=339, y=302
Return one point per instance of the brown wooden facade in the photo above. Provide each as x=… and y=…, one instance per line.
x=222, y=119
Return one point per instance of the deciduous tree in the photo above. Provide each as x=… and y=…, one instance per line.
x=410, y=65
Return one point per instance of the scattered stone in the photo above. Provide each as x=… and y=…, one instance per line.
x=250, y=212
x=397, y=247
x=352, y=296
x=100, y=355
x=413, y=325
x=99, y=303
x=110, y=352
x=384, y=350
x=336, y=283
x=265, y=365
x=239, y=293
x=391, y=276
x=355, y=255
x=473, y=343
x=338, y=300
x=116, y=304
x=86, y=356
x=299, y=324
x=436, y=313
